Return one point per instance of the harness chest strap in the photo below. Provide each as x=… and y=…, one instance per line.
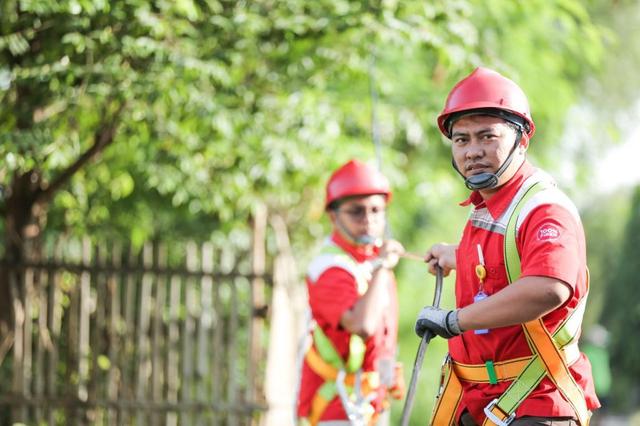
x=547, y=359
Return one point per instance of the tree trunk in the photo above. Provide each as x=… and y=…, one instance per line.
x=24, y=218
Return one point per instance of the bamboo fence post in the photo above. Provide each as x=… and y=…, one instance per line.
x=115, y=325
x=173, y=350
x=232, y=357
x=142, y=326
x=158, y=345
x=285, y=330
x=205, y=324
x=84, y=327
x=258, y=263
x=217, y=378
x=29, y=284
x=97, y=332
x=42, y=344
x=188, y=332
x=18, y=412
x=128, y=352
x=55, y=324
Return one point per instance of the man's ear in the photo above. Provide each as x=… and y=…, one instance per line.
x=332, y=215
x=524, y=143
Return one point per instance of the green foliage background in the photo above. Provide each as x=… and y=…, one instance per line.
x=219, y=105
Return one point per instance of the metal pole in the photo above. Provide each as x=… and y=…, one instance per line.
x=417, y=365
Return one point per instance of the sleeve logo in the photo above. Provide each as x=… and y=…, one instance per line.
x=548, y=232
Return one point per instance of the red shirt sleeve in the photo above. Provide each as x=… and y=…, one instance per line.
x=331, y=295
x=551, y=244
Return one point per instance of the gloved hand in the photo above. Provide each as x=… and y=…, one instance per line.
x=438, y=321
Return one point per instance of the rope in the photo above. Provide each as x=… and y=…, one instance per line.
x=373, y=95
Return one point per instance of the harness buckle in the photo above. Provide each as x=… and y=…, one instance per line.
x=494, y=418
x=443, y=372
x=357, y=406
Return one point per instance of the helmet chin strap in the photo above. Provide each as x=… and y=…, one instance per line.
x=363, y=240
x=488, y=180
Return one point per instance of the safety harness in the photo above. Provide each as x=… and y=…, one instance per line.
x=346, y=380
x=552, y=354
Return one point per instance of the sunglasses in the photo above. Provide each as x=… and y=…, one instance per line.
x=358, y=213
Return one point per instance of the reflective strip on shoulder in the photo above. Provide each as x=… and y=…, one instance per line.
x=331, y=256
x=549, y=195
x=327, y=261
x=511, y=255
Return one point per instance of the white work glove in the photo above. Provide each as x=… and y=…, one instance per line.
x=439, y=321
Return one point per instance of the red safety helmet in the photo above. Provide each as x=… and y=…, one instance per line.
x=487, y=92
x=356, y=178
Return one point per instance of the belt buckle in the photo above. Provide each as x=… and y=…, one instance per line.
x=494, y=418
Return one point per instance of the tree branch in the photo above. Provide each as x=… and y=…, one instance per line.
x=103, y=137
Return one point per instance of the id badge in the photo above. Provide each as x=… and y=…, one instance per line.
x=481, y=273
x=478, y=297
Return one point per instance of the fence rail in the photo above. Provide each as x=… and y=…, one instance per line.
x=105, y=335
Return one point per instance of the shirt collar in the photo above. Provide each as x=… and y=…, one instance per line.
x=359, y=252
x=501, y=199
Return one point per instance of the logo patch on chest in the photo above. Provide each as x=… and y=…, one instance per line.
x=548, y=232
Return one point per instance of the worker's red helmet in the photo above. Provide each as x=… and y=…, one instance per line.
x=356, y=178
x=487, y=92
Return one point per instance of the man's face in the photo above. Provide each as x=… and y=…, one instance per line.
x=481, y=144
x=362, y=216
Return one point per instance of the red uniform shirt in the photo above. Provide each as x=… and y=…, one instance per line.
x=330, y=295
x=551, y=243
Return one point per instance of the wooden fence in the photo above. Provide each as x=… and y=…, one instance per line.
x=105, y=335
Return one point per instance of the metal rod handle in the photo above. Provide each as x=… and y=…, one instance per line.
x=417, y=365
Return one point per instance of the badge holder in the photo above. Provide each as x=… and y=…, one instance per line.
x=481, y=273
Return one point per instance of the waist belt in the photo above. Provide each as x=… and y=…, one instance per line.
x=494, y=372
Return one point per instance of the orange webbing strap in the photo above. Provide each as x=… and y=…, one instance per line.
x=477, y=373
x=505, y=370
x=318, y=405
x=556, y=367
x=325, y=370
x=327, y=392
x=448, y=400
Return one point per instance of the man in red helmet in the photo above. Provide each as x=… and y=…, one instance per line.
x=349, y=367
x=521, y=274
